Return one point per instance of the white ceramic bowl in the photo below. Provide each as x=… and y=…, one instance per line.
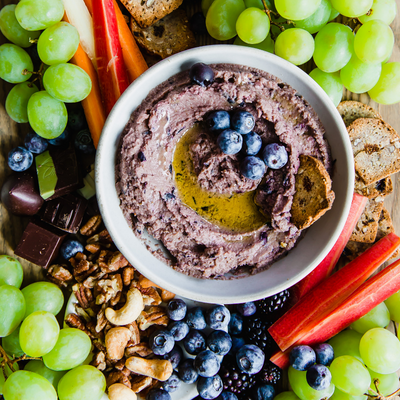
x=319, y=238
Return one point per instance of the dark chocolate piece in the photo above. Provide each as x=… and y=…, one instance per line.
x=40, y=243
x=20, y=194
x=58, y=172
x=65, y=212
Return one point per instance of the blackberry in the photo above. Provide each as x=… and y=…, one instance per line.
x=275, y=305
x=255, y=331
x=270, y=373
x=233, y=378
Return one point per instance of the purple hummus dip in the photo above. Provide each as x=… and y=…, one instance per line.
x=147, y=176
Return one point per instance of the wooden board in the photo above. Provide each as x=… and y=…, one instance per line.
x=12, y=135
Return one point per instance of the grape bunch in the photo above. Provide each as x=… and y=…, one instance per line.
x=30, y=331
x=38, y=97
x=353, y=54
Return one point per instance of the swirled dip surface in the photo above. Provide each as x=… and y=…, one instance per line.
x=169, y=165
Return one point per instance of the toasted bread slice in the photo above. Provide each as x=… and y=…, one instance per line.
x=379, y=188
x=314, y=195
x=167, y=36
x=352, y=110
x=147, y=12
x=376, y=149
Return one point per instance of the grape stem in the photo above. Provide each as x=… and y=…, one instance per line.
x=10, y=361
x=378, y=395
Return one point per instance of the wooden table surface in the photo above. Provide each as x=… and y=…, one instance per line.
x=12, y=135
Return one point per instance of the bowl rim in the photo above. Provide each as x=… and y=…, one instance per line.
x=104, y=184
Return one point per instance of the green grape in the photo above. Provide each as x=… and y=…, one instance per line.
x=303, y=390
x=393, y=305
x=8, y=373
x=43, y=296
x=359, y=77
x=58, y=43
x=83, y=382
x=11, y=272
x=334, y=13
x=39, y=333
x=350, y=375
x=12, y=30
x=379, y=316
x=252, y=25
x=12, y=309
x=347, y=343
x=333, y=47
x=385, y=10
x=387, y=90
x=295, y=45
x=296, y=9
x=351, y=8
x=35, y=15
x=28, y=385
x=17, y=101
x=11, y=344
x=67, y=82
x=339, y=395
x=48, y=116
x=286, y=396
x=331, y=84
x=317, y=20
x=387, y=383
x=15, y=64
x=380, y=350
x=71, y=349
x=38, y=366
x=205, y=5
x=259, y=4
x=373, y=42
x=221, y=18
x=267, y=44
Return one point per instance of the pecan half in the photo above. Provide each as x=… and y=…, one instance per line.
x=91, y=226
x=152, y=316
x=59, y=275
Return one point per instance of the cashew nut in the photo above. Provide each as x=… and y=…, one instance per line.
x=116, y=341
x=157, y=369
x=129, y=312
x=119, y=391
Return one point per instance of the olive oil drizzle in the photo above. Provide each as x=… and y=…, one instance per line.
x=235, y=212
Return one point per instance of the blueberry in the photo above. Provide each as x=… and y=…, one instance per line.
x=176, y=309
x=194, y=342
x=174, y=356
x=179, y=330
x=275, y=155
x=76, y=117
x=206, y=363
x=172, y=383
x=217, y=317
x=302, y=357
x=20, y=159
x=161, y=342
x=35, y=143
x=250, y=358
x=201, y=74
x=219, y=342
x=197, y=23
x=187, y=371
x=225, y=395
x=158, y=394
x=70, y=248
x=247, y=309
x=61, y=140
x=218, y=121
x=318, y=377
x=263, y=392
x=230, y=142
x=252, y=167
x=324, y=353
x=251, y=144
x=237, y=343
x=235, y=325
x=195, y=318
x=83, y=142
x=242, y=122
x=210, y=388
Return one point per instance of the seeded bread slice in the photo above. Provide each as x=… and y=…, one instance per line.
x=376, y=189
x=376, y=149
x=147, y=12
x=167, y=36
x=351, y=110
x=314, y=195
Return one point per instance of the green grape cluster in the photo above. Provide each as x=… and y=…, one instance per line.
x=39, y=21
x=301, y=30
